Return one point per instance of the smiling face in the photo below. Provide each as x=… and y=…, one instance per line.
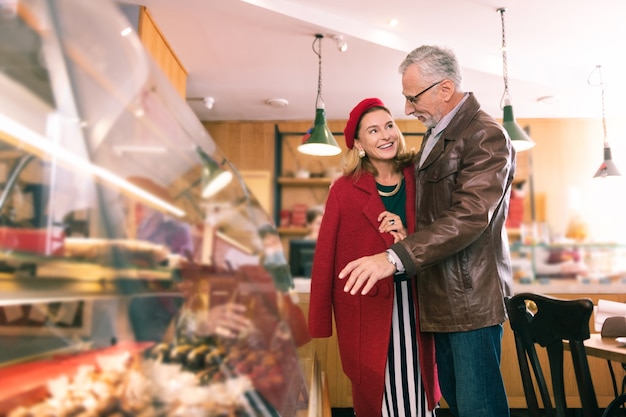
x=378, y=136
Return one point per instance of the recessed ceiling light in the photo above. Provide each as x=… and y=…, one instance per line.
x=393, y=22
x=276, y=102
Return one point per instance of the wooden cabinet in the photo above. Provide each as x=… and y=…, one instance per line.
x=327, y=350
x=301, y=180
x=301, y=191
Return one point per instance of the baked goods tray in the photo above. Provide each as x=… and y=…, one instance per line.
x=28, y=276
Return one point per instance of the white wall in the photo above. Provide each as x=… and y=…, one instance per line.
x=567, y=155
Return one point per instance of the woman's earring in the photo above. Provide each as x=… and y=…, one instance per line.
x=361, y=153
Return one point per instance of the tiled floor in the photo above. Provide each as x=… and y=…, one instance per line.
x=444, y=412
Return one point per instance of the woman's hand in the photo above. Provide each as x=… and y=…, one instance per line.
x=391, y=223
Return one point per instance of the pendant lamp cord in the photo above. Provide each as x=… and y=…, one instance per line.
x=506, y=98
x=602, y=86
x=319, y=103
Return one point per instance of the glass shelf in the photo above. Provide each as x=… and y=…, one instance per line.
x=584, y=262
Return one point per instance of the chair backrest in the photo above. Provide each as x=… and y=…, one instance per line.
x=616, y=408
x=539, y=320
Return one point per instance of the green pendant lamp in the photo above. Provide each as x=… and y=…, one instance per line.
x=519, y=139
x=608, y=167
x=320, y=141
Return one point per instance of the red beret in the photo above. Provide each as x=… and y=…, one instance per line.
x=355, y=117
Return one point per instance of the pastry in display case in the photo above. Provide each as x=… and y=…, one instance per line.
x=133, y=274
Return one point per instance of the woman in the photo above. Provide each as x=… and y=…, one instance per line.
x=390, y=363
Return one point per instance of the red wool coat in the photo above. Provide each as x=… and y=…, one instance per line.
x=349, y=231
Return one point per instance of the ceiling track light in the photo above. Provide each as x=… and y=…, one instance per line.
x=519, y=139
x=608, y=167
x=208, y=101
x=342, y=45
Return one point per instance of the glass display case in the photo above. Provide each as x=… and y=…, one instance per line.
x=138, y=274
x=584, y=262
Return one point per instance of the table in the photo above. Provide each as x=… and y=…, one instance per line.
x=605, y=348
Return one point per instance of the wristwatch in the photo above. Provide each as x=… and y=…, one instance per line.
x=391, y=259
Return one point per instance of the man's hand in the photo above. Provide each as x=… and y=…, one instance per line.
x=365, y=272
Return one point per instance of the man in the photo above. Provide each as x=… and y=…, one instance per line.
x=459, y=250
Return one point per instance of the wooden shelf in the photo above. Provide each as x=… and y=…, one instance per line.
x=514, y=233
x=293, y=231
x=304, y=182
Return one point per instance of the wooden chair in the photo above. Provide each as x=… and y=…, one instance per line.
x=539, y=320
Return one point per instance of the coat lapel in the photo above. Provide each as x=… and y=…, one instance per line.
x=373, y=205
x=463, y=117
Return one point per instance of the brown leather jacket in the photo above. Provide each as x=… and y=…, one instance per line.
x=460, y=249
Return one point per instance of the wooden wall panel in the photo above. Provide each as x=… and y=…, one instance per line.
x=248, y=145
x=157, y=46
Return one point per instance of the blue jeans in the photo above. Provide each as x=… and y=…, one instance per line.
x=469, y=372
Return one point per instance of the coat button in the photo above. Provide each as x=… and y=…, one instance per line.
x=381, y=290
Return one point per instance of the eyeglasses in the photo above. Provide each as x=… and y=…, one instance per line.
x=413, y=99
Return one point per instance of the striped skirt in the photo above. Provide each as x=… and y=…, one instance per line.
x=404, y=394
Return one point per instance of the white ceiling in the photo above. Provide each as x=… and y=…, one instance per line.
x=243, y=52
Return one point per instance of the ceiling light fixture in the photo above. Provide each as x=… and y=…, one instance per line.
x=519, y=139
x=208, y=102
x=276, y=102
x=608, y=167
x=320, y=141
x=342, y=45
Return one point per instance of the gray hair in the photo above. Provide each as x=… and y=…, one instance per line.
x=435, y=63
